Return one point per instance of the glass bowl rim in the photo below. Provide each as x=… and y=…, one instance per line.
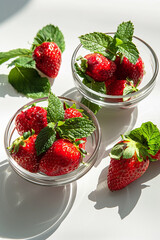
x=53, y=180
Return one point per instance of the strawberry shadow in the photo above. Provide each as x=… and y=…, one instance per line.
x=125, y=199
x=31, y=211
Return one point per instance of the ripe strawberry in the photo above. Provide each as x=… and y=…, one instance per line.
x=123, y=171
x=99, y=67
x=24, y=153
x=48, y=58
x=72, y=113
x=126, y=69
x=120, y=87
x=33, y=118
x=156, y=156
x=61, y=158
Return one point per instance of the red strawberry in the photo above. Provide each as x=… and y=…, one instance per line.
x=33, y=118
x=48, y=58
x=99, y=67
x=72, y=113
x=120, y=87
x=24, y=153
x=61, y=158
x=123, y=171
x=83, y=143
x=156, y=156
x=126, y=69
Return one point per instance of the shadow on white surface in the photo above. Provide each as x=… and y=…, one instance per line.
x=10, y=7
x=30, y=211
x=6, y=88
x=125, y=199
x=113, y=123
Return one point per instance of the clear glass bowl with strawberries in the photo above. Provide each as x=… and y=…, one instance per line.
x=52, y=141
x=115, y=70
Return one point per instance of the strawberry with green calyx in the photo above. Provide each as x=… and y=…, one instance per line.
x=24, y=153
x=131, y=156
x=24, y=71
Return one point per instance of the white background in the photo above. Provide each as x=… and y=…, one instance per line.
x=86, y=209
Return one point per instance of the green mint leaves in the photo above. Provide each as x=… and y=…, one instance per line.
x=72, y=128
x=49, y=33
x=144, y=141
x=24, y=76
x=121, y=43
x=28, y=82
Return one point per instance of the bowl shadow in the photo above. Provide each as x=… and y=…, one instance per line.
x=125, y=199
x=31, y=211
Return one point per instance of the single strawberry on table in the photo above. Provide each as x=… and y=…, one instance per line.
x=34, y=118
x=48, y=58
x=130, y=158
x=24, y=153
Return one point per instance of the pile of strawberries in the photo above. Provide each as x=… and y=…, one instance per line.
x=52, y=140
x=114, y=62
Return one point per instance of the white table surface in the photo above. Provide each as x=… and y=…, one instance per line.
x=85, y=210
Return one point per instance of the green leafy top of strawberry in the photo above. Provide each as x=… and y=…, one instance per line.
x=24, y=71
x=145, y=141
x=120, y=44
x=72, y=129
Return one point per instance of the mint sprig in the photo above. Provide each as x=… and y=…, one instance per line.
x=72, y=128
x=120, y=44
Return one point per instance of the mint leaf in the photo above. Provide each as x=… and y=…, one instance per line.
x=76, y=128
x=28, y=82
x=5, y=56
x=45, y=139
x=125, y=31
x=49, y=33
x=130, y=51
x=26, y=62
x=55, y=110
x=96, y=42
x=152, y=135
x=148, y=135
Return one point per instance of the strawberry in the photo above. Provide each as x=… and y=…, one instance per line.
x=48, y=58
x=24, y=153
x=126, y=69
x=99, y=67
x=72, y=113
x=120, y=87
x=61, y=158
x=33, y=118
x=125, y=169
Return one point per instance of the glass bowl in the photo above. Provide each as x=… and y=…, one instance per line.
x=151, y=71
x=92, y=147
